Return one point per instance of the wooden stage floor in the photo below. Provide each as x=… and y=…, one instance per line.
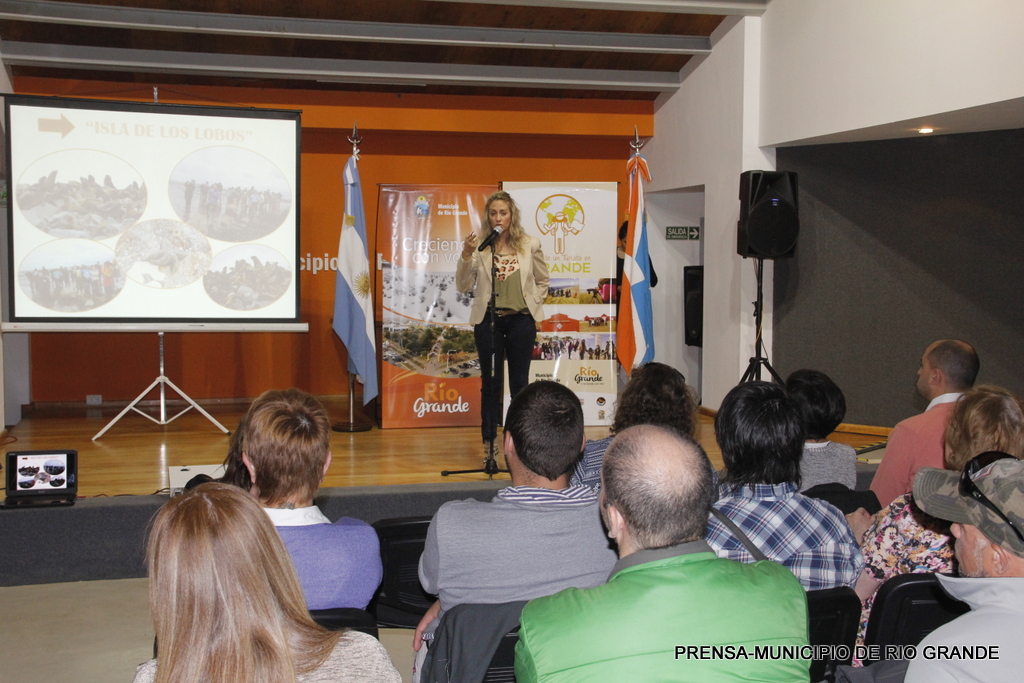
x=132, y=457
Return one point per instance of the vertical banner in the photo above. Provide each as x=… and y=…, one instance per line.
x=576, y=225
x=430, y=371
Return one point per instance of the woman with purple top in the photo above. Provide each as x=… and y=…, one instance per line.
x=280, y=453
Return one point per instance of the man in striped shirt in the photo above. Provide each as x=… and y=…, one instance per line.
x=536, y=537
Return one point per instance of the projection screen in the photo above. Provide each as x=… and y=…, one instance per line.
x=137, y=216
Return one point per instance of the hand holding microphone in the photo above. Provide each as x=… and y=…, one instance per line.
x=490, y=238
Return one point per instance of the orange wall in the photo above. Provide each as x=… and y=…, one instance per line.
x=410, y=139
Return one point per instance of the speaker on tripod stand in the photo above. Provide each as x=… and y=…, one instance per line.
x=769, y=221
x=768, y=229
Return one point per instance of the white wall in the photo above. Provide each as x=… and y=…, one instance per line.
x=832, y=66
x=669, y=257
x=828, y=71
x=705, y=136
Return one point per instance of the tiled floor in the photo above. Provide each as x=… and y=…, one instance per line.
x=96, y=632
x=88, y=632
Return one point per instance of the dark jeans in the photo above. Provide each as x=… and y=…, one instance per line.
x=514, y=336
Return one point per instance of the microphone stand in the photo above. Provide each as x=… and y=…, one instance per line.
x=490, y=467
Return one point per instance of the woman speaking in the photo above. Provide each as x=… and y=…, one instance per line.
x=520, y=290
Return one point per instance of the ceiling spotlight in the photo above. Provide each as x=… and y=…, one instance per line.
x=925, y=130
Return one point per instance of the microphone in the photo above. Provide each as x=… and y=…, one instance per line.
x=490, y=238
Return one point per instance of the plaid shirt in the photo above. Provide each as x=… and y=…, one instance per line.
x=808, y=536
x=588, y=469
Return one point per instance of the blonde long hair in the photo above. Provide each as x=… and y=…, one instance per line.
x=226, y=602
x=985, y=418
x=517, y=237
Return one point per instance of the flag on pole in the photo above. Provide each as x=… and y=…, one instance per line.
x=635, y=332
x=353, y=305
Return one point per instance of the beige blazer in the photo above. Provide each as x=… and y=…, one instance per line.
x=473, y=275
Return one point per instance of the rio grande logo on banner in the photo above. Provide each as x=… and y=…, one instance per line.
x=430, y=374
x=576, y=225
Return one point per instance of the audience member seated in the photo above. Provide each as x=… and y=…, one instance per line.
x=985, y=503
x=656, y=394
x=948, y=368
x=668, y=596
x=822, y=407
x=283, y=444
x=761, y=436
x=227, y=605
x=535, y=537
x=903, y=539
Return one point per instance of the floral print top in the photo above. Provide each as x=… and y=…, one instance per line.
x=507, y=264
x=903, y=539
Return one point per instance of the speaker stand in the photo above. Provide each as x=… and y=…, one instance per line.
x=753, y=372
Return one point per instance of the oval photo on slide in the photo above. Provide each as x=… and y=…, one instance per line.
x=163, y=254
x=81, y=193
x=70, y=276
x=247, y=277
x=54, y=466
x=230, y=193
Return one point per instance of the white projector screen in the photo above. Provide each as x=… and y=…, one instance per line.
x=151, y=216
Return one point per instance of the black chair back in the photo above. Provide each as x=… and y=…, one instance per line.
x=400, y=601
x=346, y=617
x=847, y=500
x=474, y=644
x=909, y=607
x=833, y=615
x=502, y=668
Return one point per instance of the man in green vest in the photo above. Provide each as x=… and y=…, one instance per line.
x=671, y=610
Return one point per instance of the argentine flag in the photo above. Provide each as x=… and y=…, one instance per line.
x=635, y=337
x=353, y=305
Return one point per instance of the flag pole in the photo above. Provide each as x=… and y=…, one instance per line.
x=637, y=144
x=634, y=328
x=353, y=425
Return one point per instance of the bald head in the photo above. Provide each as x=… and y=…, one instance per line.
x=661, y=483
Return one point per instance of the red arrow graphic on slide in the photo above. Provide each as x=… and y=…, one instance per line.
x=61, y=125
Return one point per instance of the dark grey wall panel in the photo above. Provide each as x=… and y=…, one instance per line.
x=903, y=242
x=105, y=538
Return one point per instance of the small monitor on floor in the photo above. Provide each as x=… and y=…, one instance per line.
x=41, y=478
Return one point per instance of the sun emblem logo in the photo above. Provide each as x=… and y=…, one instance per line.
x=421, y=207
x=560, y=216
x=362, y=284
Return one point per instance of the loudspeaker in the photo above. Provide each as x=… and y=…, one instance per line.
x=693, y=305
x=769, y=222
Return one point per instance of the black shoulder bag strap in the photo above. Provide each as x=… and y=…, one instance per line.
x=738, y=533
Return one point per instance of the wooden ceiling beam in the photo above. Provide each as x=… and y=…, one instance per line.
x=332, y=70
x=754, y=8
x=212, y=23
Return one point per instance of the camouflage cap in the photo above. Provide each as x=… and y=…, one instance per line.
x=937, y=492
